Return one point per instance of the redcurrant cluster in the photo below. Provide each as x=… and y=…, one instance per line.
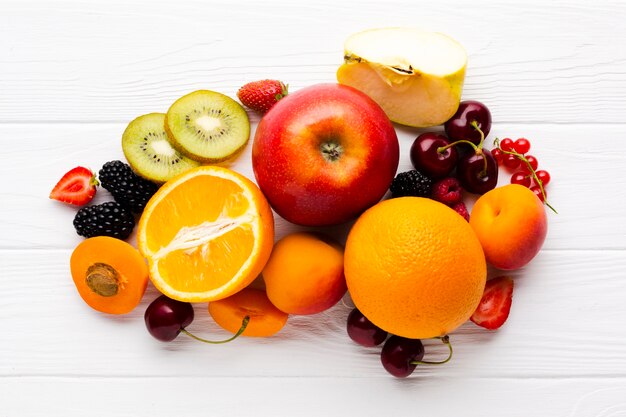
x=514, y=156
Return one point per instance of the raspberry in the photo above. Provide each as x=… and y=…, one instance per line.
x=411, y=183
x=447, y=191
x=106, y=219
x=462, y=210
x=126, y=187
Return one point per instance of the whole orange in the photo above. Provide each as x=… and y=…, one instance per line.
x=304, y=274
x=414, y=267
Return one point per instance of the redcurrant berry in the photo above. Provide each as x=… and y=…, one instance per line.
x=506, y=144
x=533, y=163
x=498, y=155
x=544, y=177
x=521, y=145
x=535, y=189
x=520, y=178
x=511, y=162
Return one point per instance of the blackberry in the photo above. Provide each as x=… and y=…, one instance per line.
x=106, y=219
x=411, y=183
x=126, y=187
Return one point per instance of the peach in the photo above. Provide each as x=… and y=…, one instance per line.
x=304, y=274
x=511, y=225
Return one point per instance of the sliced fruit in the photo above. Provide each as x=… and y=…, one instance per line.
x=110, y=275
x=206, y=234
x=77, y=186
x=149, y=152
x=495, y=304
x=415, y=76
x=265, y=319
x=207, y=126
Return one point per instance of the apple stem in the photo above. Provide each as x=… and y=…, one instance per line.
x=331, y=150
x=522, y=158
x=244, y=324
x=446, y=341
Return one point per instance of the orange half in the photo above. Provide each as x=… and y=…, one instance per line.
x=206, y=234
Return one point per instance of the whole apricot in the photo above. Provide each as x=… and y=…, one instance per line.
x=511, y=225
x=304, y=274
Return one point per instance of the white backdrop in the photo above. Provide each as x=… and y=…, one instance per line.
x=72, y=75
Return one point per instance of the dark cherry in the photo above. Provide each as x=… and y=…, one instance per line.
x=472, y=174
x=428, y=160
x=459, y=127
x=398, y=353
x=363, y=331
x=165, y=318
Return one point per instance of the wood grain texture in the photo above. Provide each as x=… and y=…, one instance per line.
x=130, y=397
x=531, y=61
x=568, y=320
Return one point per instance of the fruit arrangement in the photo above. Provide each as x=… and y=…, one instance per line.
x=415, y=262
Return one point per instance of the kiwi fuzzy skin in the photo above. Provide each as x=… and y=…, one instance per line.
x=199, y=158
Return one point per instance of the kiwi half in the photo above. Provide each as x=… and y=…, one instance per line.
x=207, y=126
x=148, y=150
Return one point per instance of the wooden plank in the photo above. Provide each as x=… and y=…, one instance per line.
x=567, y=320
x=588, y=186
x=312, y=397
x=113, y=60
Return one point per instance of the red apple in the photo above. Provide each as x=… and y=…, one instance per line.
x=324, y=154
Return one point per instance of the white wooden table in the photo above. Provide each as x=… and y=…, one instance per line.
x=72, y=75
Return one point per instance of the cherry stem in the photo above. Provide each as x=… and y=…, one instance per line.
x=244, y=324
x=474, y=124
x=522, y=158
x=446, y=341
x=441, y=149
x=478, y=149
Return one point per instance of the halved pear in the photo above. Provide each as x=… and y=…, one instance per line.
x=415, y=76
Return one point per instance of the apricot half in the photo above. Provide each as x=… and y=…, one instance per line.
x=265, y=318
x=110, y=274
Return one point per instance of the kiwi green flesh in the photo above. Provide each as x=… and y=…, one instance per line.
x=149, y=152
x=207, y=126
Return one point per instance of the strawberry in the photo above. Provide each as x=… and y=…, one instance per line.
x=78, y=186
x=260, y=96
x=495, y=305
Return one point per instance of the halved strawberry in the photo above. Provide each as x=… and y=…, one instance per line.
x=78, y=186
x=495, y=305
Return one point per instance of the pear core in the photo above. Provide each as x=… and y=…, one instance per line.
x=415, y=76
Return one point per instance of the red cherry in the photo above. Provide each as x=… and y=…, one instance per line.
x=522, y=145
x=544, y=177
x=511, y=162
x=520, y=178
x=535, y=189
x=506, y=144
x=497, y=155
